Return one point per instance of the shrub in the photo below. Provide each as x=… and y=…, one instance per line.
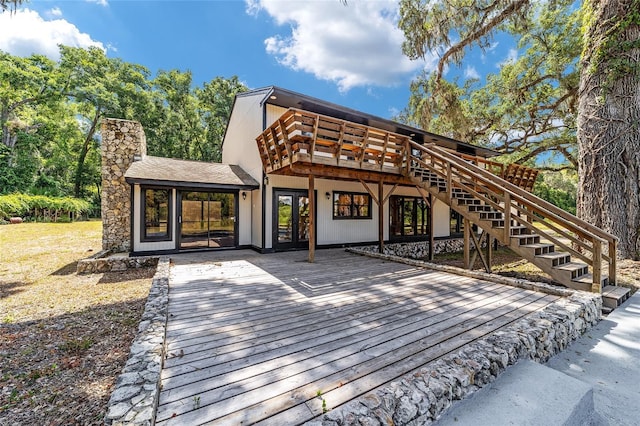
x=42, y=208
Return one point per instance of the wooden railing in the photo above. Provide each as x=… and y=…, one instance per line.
x=586, y=241
x=303, y=136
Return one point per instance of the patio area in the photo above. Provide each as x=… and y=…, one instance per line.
x=272, y=339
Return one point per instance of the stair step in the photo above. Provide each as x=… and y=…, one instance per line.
x=467, y=201
x=540, y=248
x=614, y=296
x=556, y=258
x=473, y=208
x=490, y=215
x=526, y=240
x=499, y=223
x=575, y=269
x=520, y=230
x=588, y=279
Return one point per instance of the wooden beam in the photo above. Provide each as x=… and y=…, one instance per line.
x=312, y=219
x=381, y=217
x=389, y=194
x=373, y=196
x=305, y=169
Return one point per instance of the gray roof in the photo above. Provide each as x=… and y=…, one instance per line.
x=185, y=173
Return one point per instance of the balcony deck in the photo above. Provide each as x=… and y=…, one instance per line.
x=303, y=137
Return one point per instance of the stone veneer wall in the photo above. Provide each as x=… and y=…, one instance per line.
x=418, y=249
x=121, y=141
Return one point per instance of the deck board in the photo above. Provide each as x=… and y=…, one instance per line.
x=252, y=338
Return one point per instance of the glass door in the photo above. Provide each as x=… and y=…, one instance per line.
x=208, y=220
x=291, y=220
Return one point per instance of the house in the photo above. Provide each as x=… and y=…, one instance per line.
x=301, y=173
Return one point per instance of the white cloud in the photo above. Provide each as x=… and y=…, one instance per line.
x=26, y=32
x=55, y=12
x=354, y=45
x=471, y=72
x=512, y=56
x=99, y=2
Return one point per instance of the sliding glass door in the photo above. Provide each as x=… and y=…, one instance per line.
x=208, y=220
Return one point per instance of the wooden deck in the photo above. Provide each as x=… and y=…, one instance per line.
x=254, y=338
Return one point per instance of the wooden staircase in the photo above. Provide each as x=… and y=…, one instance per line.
x=573, y=252
x=495, y=198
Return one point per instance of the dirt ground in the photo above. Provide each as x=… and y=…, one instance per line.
x=64, y=337
x=507, y=263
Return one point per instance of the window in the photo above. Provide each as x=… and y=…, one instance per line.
x=409, y=217
x=156, y=214
x=351, y=205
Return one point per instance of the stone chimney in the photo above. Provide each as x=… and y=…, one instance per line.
x=121, y=141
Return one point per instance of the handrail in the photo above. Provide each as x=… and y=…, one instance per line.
x=469, y=177
x=331, y=141
x=528, y=196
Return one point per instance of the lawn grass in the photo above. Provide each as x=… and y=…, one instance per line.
x=64, y=337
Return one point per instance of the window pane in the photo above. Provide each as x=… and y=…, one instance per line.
x=408, y=216
x=156, y=213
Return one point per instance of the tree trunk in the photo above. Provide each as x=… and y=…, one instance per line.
x=609, y=123
x=83, y=155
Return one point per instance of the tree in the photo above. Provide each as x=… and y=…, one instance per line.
x=215, y=101
x=9, y=5
x=608, y=137
x=24, y=84
x=101, y=86
x=609, y=121
x=525, y=109
x=177, y=128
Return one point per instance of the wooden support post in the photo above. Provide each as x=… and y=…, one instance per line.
x=489, y=252
x=596, y=286
x=467, y=244
x=381, y=217
x=431, y=239
x=612, y=262
x=507, y=219
x=312, y=219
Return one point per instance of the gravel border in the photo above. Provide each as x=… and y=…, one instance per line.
x=135, y=397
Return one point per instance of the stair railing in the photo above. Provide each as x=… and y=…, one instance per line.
x=523, y=207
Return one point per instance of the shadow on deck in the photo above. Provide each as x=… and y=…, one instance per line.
x=273, y=339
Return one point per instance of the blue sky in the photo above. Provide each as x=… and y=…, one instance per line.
x=350, y=55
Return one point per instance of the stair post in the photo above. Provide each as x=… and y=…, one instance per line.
x=507, y=218
x=612, y=261
x=596, y=286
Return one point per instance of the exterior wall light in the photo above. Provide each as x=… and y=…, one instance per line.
x=244, y=195
x=326, y=194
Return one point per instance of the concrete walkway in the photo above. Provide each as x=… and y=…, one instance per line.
x=608, y=359
x=596, y=381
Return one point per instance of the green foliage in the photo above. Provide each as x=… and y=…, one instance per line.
x=558, y=188
x=529, y=106
x=40, y=207
x=50, y=118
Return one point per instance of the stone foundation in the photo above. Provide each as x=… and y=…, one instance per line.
x=111, y=264
x=135, y=397
x=418, y=249
x=121, y=141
